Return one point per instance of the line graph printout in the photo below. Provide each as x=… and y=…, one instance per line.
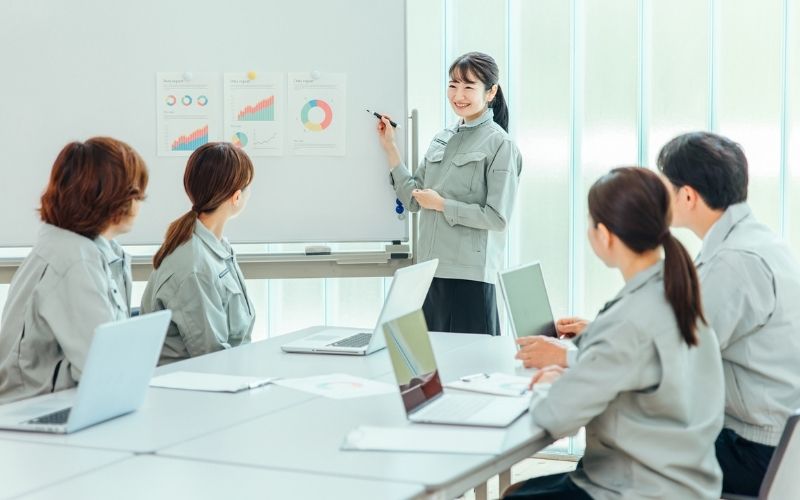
x=184, y=107
x=254, y=103
x=316, y=114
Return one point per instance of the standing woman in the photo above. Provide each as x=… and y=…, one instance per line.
x=465, y=186
x=648, y=382
x=196, y=274
x=76, y=276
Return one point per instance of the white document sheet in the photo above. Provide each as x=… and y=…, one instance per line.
x=426, y=439
x=499, y=384
x=338, y=386
x=211, y=382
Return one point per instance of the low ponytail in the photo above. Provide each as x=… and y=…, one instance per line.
x=179, y=232
x=500, y=109
x=682, y=288
x=214, y=172
x=484, y=68
x=634, y=204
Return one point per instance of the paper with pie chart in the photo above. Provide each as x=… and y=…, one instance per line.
x=316, y=108
x=253, y=112
x=338, y=386
x=184, y=110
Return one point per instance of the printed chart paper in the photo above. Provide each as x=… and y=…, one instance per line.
x=185, y=108
x=253, y=112
x=317, y=122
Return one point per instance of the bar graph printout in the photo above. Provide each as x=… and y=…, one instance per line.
x=253, y=112
x=185, y=104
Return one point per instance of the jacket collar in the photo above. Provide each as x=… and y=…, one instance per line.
x=110, y=249
x=220, y=247
x=721, y=229
x=485, y=117
x=636, y=282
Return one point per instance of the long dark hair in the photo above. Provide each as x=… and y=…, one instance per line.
x=214, y=172
x=634, y=204
x=484, y=68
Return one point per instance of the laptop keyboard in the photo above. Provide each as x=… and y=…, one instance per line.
x=57, y=417
x=453, y=408
x=357, y=340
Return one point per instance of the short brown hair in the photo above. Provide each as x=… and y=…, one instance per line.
x=92, y=185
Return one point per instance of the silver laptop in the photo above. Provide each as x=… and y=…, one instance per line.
x=118, y=368
x=421, y=388
x=527, y=303
x=407, y=293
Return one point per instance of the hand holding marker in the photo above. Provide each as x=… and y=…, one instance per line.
x=380, y=116
x=399, y=208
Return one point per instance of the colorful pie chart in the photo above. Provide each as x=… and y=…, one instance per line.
x=316, y=126
x=239, y=139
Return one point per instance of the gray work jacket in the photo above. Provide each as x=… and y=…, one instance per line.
x=63, y=290
x=751, y=296
x=475, y=166
x=652, y=405
x=203, y=286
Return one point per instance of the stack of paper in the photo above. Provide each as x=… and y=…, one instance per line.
x=211, y=382
x=426, y=439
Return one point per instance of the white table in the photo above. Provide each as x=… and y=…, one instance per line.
x=275, y=430
x=26, y=467
x=158, y=478
x=310, y=434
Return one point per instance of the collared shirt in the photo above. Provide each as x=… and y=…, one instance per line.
x=475, y=166
x=119, y=269
x=62, y=291
x=652, y=405
x=203, y=286
x=751, y=288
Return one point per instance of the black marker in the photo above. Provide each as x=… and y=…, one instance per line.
x=379, y=116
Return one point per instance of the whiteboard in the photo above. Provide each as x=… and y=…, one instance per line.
x=74, y=69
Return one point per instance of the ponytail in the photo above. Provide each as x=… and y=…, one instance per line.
x=214, y=172
x=179, y=232
x=682, y=288
x=500, y=109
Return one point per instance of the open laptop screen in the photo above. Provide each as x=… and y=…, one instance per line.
x=412, y=359
x=526, y=301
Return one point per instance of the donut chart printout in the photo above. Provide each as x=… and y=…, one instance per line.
x=185, y=109
x=316, y=120
x=254, y=104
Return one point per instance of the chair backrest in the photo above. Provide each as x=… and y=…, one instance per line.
x=782, y=479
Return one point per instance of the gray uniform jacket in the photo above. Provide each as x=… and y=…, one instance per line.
x=475, y=166
x=751, y=296
x=66, y=287
x=652, y=405
x=203, y=286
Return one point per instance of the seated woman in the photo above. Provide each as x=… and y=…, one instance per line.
x=647, y=382
x=76, y=276
x=196, y=274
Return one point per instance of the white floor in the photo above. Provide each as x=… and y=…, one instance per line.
x=531, y=467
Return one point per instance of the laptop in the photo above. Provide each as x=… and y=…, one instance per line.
x=406, y=294
x=421, y=390
x=527, y=303
x=118, y=368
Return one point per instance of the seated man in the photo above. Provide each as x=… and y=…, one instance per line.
x=750, y=283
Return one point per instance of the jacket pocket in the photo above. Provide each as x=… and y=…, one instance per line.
x=238, y=310
x=468, y=169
